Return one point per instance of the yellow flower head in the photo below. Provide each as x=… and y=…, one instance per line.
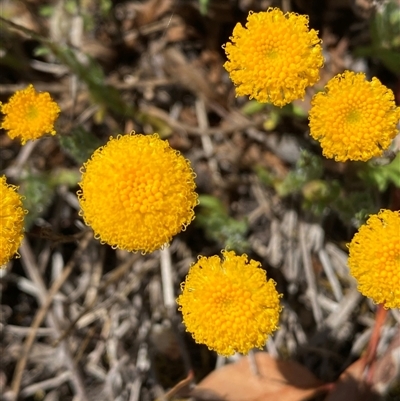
x=275, y=57
x=229, y=304
x=11, y=221
x=137, y=192
x=354, y=119
x=29, y=115
x=374, y=258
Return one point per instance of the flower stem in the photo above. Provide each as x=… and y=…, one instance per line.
x=370, y=357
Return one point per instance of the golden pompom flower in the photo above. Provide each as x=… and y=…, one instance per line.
x=29, y=114
x=137, y=192
x=374, y=258
x=275, y=57
x=229, y=305
x=354, y=119
x=11, y=221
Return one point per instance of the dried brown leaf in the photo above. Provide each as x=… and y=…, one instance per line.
x=277, y=380
x=352, y=386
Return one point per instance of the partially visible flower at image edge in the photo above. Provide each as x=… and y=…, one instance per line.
x=374, y=258
x=137, y=192
x=228, y=304
x=275, y=57
x=11, y=221
x=29, y=114
x=354, y=119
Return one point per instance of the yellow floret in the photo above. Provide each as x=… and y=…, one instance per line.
x=29, y=115
x=137, y=192
x=354, y=119
x=229, y=305
x=374, y=258
x=275, y=57
x=11, y=221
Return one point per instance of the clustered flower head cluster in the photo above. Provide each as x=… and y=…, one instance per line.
x=11, y=221
x=374, y=258
x=29, y=114
x=354, y=119
x=137, y=192
x=275, y=57
x=228, y=304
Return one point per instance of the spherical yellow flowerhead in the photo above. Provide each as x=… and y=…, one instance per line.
x=374, y=258
x=137, y=192
x=29, y=114
x=275, y=57
x=229, y=305
x=11, y=221
x=354, y=119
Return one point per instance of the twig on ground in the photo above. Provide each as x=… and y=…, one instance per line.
x=41, y=313
x=312, y=291
x=54, y=382
x=332, y=278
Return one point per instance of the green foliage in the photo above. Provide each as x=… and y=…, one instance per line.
x=203, y=5
x=39, y=188
x=105, y=7
x=385, y=35
x=252, y=107
x=355, y=207
x=382, y=176
x=92, y=74
x=219, y=226
x=275, y=114
x=80, y=144
x=308, y=168
x=84, y=9
x=102, y=94
x=89, y=72
x=40, y=51
x=265, y=176
x=46, y=10
x=386, y=25
x=320, y=195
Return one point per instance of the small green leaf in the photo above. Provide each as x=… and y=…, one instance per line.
x=265, y=176
x=385, y=37
x=92, y=74
x=355, y=207
x=319, y=195
x=219, y=226
x=308, y=167
x=80, y=144
x=252, y=107
x=203, y=5
x=38, y=190
x=46, y=11
x=272, y=120
x=105, y=7
x=382, y=176
x=38, y=195
x=41, y=51
x=299, y=111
